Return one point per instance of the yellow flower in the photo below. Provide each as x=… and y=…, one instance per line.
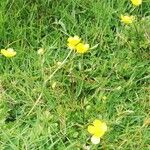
x=82, y=48
x=97, y=130
x=136, y=2
x=73, y=41
x=127, y=19
x=8, y=52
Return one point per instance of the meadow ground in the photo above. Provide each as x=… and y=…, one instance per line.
x=110, y=82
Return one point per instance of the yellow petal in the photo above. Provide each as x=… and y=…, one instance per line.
x=100, y=128
x=104, y=127
x=82, y=48
x=8, y=53
x=136, y=2
x=127, y=19
x=99, y=132
x=71, y=46
x=73, y=41
x=97, y=122
x=91, y=129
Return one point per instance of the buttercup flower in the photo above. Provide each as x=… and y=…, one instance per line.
x=136, y=2
x=8, y=52
x=127, y=19
x=97, y=130
x=73, y=41
x=82, y=48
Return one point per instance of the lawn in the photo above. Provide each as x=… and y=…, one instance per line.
x=48, y=99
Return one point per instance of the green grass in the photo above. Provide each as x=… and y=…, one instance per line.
x=119, y=68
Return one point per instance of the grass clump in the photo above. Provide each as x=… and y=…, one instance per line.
x=49, y=97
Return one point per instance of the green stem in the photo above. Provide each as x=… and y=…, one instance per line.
x=45, y=82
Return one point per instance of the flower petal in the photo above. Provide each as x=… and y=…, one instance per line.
x=136, y=2
x=99, y=128
x=8, y=53
x=82, y=48
x=71, y=46
x=91, y=129
x=74, y=40
x=97, y=123
x=104, y=127
x=99, y=133
x=127, y=19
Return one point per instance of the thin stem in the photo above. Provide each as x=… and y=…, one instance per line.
x=45, y=82
x=59, y=67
